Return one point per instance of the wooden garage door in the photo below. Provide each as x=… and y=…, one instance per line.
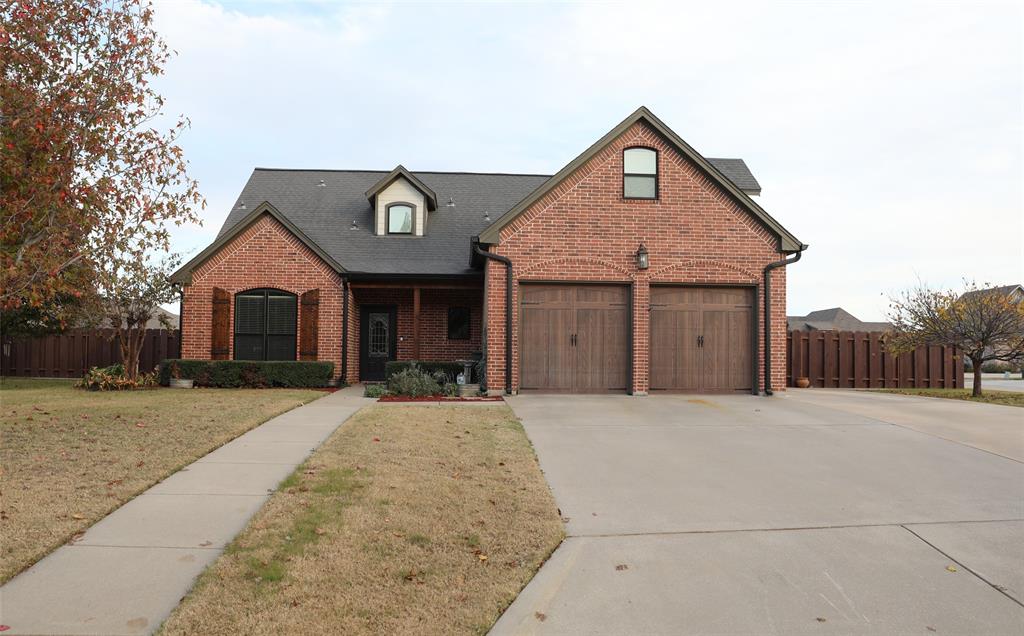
x=701, y=339
x=574, y=338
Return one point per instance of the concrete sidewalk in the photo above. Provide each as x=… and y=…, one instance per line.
x=130, y=570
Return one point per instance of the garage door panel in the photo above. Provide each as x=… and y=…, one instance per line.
x=706, y=343
x=602, y=345
x=675, y=359
x=596, y=359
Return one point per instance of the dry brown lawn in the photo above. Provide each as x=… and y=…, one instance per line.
x=408, y=520
x=68, y=457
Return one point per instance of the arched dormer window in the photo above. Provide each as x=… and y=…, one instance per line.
x=265, y=325
x=400, y=216
x=640, y=173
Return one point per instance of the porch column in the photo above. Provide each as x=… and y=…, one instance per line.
x=415, y=323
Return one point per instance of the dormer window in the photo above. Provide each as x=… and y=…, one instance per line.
x=400, y=218
x=640, y=173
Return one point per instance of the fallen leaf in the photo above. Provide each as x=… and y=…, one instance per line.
x=4, y=628
x=820, y=619
x=320, y=531
x=951, y=568
x=620, y=567
x=140, y=425
x=482, y=557
x=540, y=616
x=295, y=603
x=376, y=439
x=77, y=516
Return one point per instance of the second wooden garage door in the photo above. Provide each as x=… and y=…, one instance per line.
x=574, y=338
x=702, y=339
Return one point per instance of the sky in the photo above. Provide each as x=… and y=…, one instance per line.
x=887, y=136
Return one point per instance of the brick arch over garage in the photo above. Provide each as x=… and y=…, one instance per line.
x=574, y=268
x=695, y=270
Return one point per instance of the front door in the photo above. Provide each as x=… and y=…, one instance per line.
x=378, y=340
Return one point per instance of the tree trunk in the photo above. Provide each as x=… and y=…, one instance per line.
x=130, y=346
x=976, y=363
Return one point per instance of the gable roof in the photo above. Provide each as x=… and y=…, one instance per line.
x=787, y=242
x=401, y=172
x=184, y=273
x=834, y=319
x=736, y=170
x=1004, y=290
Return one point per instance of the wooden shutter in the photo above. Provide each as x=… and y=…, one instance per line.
x=309, y=324
x=221, y=325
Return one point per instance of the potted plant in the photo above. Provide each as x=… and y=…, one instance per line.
x=803, y=383
x=176, y=380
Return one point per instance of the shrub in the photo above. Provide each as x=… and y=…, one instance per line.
x=112, y=378
x=249, y=374
x=375, y=390
x=451, y=370
x=414, y=382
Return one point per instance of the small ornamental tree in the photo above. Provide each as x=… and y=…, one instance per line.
x=84, y=166
x=983, y=323
x=130, y=291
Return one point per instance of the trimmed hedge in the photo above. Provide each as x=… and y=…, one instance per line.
x=450, y=369
x=249, y=374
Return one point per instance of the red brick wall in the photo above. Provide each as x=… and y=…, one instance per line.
x=584, y=230
x=264, y=255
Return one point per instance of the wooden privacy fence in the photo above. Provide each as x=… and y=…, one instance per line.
x=70, y=354
x=856, y=359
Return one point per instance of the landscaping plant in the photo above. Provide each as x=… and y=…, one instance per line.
x=983, y=323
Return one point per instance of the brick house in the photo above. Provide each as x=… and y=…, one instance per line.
x=641, y=266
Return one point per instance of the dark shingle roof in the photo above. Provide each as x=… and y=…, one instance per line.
x=834, y=319
x=325, y=215
x=736, y=170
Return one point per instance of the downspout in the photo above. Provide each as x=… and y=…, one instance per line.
x=181, y=319
x=344, y=329
x=508, y=310
x=768, y=315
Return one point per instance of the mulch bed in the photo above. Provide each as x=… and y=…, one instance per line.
x=439, y=398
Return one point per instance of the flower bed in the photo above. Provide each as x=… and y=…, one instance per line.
x=438, y=398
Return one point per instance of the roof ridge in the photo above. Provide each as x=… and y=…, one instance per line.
x=494, y=174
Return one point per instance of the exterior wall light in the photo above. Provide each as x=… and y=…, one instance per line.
x=642, y=259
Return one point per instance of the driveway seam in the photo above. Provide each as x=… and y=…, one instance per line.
x=787, y=529
x=951, y=558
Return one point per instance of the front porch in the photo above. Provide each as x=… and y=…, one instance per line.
x=429, y=320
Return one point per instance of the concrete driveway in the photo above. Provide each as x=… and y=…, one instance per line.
x=817, y=512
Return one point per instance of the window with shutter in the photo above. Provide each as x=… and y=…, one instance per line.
x=265, y=321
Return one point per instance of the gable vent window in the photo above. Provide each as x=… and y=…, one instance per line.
x=265, y=325
x=640, y=173
x=458, y=323
x=400, y=218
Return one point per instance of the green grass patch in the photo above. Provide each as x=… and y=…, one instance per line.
x=1005, y=398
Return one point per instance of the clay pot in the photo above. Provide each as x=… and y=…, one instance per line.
x=803, y=383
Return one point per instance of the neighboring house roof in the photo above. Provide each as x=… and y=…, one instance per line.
x=1013, y=291
x=834, y=319
x=787, y=242
x=331, y=211
x=170, y=321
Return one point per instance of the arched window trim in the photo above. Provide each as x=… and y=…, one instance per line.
x=657, y=173
x=290, y=340
x=412, y=220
